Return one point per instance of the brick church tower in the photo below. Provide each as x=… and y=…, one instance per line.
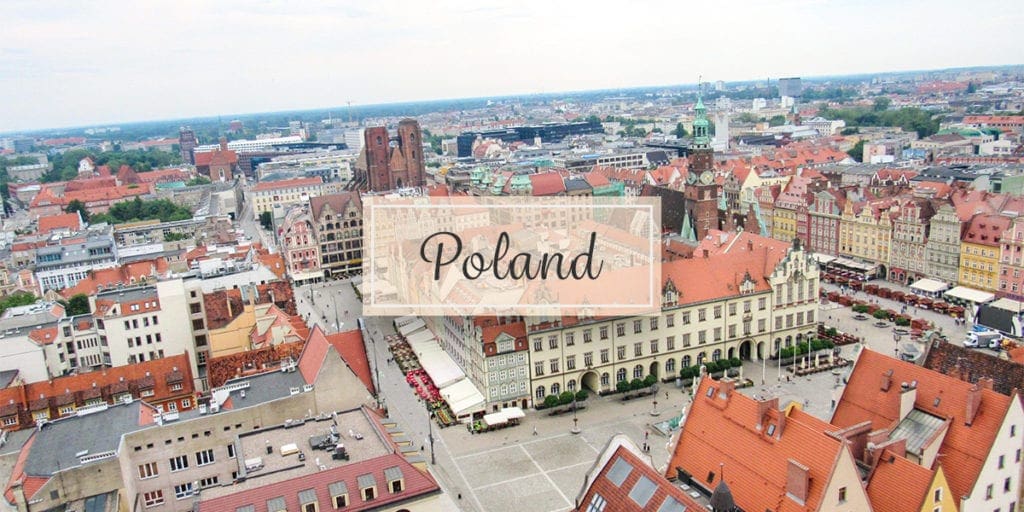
x=388, y=163
x=701, y=192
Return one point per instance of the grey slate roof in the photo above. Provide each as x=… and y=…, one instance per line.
x=307, y=496
x=393, y=473
x=337, y=488
x=366, y=480
x=57, y=445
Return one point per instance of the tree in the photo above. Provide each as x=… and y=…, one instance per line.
x=550, y=401
x=881, y=104
x=857, y=151
x=198, y=180
x=566, y=398
x=778, y=120
x=680, y=131
x=636, y=384
x=622, y=386
x=266, y=220
x=593, y=119
x=175, y=237
x=650, y=379
x=581, y=395
x=971, y=88
x=78, y=304
x=16, y=299
x=78, y=206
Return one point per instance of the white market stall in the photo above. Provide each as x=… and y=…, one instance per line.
x=929, y=288
x=463, y=398
x=411, y=327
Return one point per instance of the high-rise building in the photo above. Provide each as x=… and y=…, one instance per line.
x=187, y=142
x=389, y=163
x=790, y=87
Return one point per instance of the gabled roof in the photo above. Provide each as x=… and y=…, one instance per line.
x=349, y=345
x=700, y=279
x=896, y=484
x=964, y=447
x=622, y=491
x=338, y=202
x=986, y=229
x=725, y=431
x=546, y=184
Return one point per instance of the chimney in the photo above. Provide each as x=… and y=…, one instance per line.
x=985, y=382
x=908, y=394
x=886, y=380
x=227, y=299
x=223, y=143
x=705, y=253
x=750, y=245
x=726, y=387
x=876, y=439
x=763, y=406
x=973, y=403
x=797, y=481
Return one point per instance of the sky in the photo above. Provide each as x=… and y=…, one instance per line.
x=107, y=62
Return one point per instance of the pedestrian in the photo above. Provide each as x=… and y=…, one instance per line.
x=666, y=395
x=534, y=430
x=647, y=435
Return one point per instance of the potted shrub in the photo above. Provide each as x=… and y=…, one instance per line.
x=650, y=380
x=735, y=362
x=581, y=395
x=636, y=384
x=881, y=314
x=622, y=386
x=566, y=398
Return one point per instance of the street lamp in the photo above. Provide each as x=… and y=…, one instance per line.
x=575, y=421
x=655, y=411
x=430, y=430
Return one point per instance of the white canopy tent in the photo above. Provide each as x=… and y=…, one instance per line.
x=970, y=295
x=420, y=336
x=411, y=327
x=929, y=287
x=463, y=398
x=404, y=320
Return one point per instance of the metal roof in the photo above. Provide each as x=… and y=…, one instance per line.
x=917, y=428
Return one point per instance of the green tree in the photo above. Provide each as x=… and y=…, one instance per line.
x=16, y=299
x=680, y=131
x=581, y=395
x=622, y=386
x=881, y=104
x=266, y=220
x=175, y=237
x=550, y=401
x=78, y=304
x=198, y=180
x=78, y=206
x=778, y=120
x=593, y=119
x=971, y=88
x=566, y=397
x=857, y=151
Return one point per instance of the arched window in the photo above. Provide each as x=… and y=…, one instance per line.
x=638, y=371
x=540, y=392
x=572, y=385
x=686, y=362
x=620, y=375
x=605, y=379
x=670, y=366
x=716, y=355
x=789, y=341
x=555, y=389
x=701, y=357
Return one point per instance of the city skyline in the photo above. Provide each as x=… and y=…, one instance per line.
x=94, y=65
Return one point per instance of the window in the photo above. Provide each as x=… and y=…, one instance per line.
x=538, y=368
x=553, y=341
x=570, y=339
x=620, y=375
x=638, y=349
x=1013, y=430
x=209, y=482
x=396, y=486
x=702, y=337
x=341, y=501
x=604, y=332
x=148, y=470
x=732, y=309
x=153, y=498
x=686, y=340
x=204, y=457
x=732, y=331
x=622, y=353
x=597, y=503
x=1002, y=461
x=637, y=326
x=638, y=371
x=183, y=491
x=654, y=346
x=842, y=495
x=369, y=493
x=186, y=403
x=654, y=323
x=537, y=345
x=1006, y=485
x=620, y=329
x=554, y=365
x=231, y=451
x=670, y=343
x=604, y=357
x=686, y=318
x=718, y=334
x=670, y=366
x=540, y=392
x=179, y=463
x=587, y=338
x=670, y=320
x=702, y=314
x=570, y=362
x=718, y=311
x=988, y=492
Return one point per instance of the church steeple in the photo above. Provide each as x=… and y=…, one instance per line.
x=701, y=137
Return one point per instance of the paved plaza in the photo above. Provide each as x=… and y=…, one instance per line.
x=512, y=470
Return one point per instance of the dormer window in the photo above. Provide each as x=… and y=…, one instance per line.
x=308, y=501
x=339, y=494
x=367, y=487
x=396, y=483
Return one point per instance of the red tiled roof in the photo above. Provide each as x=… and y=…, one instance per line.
x=699, y=279
x=986, y=229
x=617, y=496
x=296, y=182
x=125, y=274
x=964, y=447
x=730, y=428
x=898, y=485
x=546, y=184
x=43, y=336
x=30, y=484
x=68, y=221
x=417, y=484
x=313, y=355
x=349, y=345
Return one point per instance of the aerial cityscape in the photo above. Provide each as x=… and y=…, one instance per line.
x=223, y=287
